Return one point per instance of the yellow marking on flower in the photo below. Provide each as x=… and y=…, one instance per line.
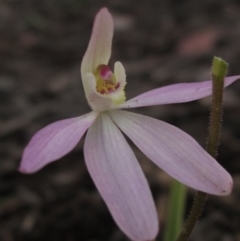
x=107, y=84
x=106, y=80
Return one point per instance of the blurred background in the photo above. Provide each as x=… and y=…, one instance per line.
x=160, y=42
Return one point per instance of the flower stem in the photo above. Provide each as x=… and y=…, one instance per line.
x=219, y=70
x=175, y=212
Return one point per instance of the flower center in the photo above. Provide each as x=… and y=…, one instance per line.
x=106, y=81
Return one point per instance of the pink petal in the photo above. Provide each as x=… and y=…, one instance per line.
x=54, y=141
x=175, y=152
x=120, y=180
x=99, y=48
x=177, y=93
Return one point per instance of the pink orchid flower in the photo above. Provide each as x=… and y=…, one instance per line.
x=109, y=158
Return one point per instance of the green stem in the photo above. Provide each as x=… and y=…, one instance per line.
x=219, y=70
x=175, y=212
x=195, y=213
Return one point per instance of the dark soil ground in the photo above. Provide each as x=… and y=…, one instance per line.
x=160, y=42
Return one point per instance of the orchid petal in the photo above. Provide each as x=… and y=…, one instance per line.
x=177, y=93
x=175, y=152
x=99, y=48
x=54, y=141
x=120, y=180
